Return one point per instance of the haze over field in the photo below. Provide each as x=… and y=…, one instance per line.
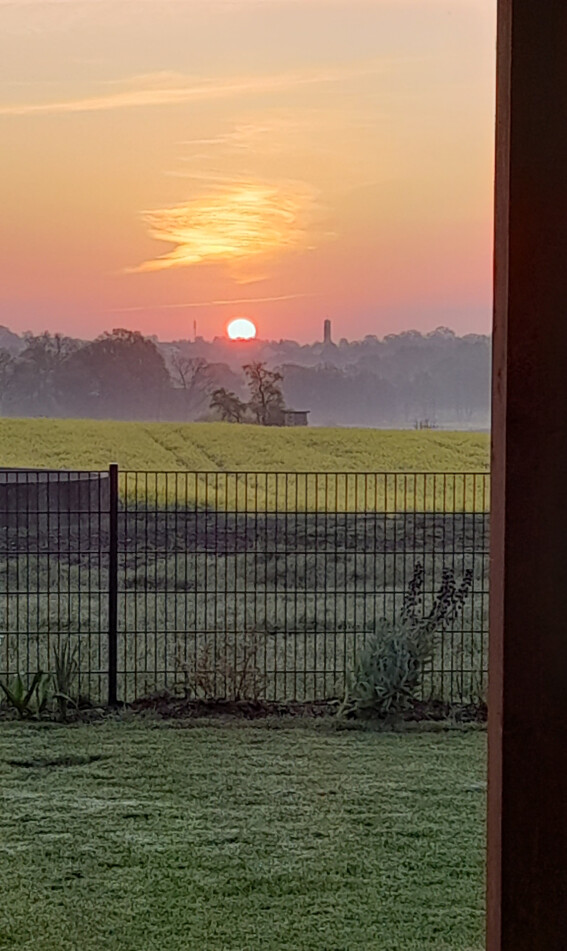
x=434, y=380
x=165, y=162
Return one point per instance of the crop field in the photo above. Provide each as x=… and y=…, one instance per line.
x=199, y=447
x=138, y=837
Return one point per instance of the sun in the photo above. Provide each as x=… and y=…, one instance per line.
x=241, y=329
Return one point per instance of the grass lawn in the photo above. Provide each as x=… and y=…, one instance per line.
x=134, y=837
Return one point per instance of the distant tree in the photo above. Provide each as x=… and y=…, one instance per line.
x=442, y=335
x=10, y=341
x=33, y=385
x=185, y=371
x=6, y=364
x=193, y=376
x=266, y=396
x=230, y=408
x=121, y=374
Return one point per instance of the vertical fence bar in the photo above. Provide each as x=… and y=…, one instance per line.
x=113, y=585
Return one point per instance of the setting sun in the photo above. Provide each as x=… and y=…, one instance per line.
x=241, y=329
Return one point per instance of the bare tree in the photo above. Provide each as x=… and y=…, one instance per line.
x=267, y=400
x=191, y=374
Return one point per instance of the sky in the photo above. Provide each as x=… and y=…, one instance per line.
x=171, y=161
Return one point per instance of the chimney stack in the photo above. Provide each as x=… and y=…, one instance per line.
x=327, y=332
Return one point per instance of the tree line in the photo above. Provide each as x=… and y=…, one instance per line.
x=402, y=380
x=123, y=375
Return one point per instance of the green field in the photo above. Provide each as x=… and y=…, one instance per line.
x=120, y=837
x=306, y=560
x=200, y=589
x=84, y=444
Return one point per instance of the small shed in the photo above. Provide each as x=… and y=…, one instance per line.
x=295, y=417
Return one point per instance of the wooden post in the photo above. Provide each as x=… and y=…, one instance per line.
x=527, y=789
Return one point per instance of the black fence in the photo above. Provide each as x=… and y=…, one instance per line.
x=226, y=584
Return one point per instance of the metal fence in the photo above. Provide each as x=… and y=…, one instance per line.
x=224, y=584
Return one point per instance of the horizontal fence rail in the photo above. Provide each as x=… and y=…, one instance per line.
x=231, y=585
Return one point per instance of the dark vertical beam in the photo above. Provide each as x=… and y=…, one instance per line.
x=113, y=587
x=527, y=809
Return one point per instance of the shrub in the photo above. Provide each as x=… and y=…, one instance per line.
x=230, y=671
x=389, y=669
x=65, y=674
x=29, y=700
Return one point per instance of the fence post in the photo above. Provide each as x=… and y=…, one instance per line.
x=113, y=586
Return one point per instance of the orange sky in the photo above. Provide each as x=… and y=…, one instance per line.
x=285, y=160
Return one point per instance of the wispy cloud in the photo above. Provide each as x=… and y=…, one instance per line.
x=258, y=138
x=265, y=133
x=150, y=93
x=246, y=220
x=215, y=303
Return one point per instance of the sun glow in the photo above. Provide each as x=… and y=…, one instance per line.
x=241, y=329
